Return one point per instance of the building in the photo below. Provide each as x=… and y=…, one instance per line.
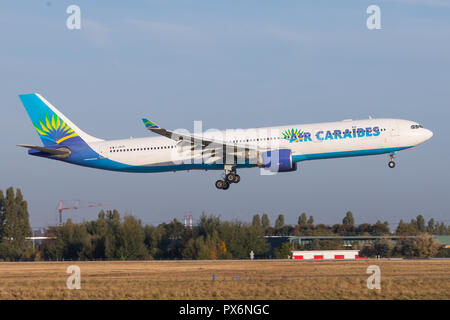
x=326, y=255
x=347, y=241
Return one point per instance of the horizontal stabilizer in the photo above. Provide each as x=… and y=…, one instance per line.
x=60, y=152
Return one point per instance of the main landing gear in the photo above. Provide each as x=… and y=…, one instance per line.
x=391, y=163
x=230, y=176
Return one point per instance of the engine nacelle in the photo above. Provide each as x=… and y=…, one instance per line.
x=277, y=160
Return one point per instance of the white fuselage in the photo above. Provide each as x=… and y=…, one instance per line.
x=306, y=141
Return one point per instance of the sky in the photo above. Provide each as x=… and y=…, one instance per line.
x=230, y=64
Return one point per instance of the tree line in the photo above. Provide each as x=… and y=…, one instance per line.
x=306, y=227
x=112, y=237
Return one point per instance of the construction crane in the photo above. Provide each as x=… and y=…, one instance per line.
x=75, y=207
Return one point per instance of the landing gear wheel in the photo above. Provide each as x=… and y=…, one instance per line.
x=219, y=184
x=391, y=164
x=230, y=177
x=237, y=178
x=222, y=184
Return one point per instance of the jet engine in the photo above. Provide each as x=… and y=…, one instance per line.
x=277, y=160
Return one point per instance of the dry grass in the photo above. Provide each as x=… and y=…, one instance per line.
x=424, y=279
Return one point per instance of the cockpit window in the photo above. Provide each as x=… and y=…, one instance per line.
x=416, y=126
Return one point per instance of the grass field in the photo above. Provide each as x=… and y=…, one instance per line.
x=419, y=279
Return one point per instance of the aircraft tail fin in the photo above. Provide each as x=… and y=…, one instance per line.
x=52, y=126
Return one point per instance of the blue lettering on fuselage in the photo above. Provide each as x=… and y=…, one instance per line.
x=318, y=137
x=360, y=132
x=352, y=133
x=376, y=131
x=307, y=136
x=347, y=133
x=337, y=134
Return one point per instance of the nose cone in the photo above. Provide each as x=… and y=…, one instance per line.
x=427, y=134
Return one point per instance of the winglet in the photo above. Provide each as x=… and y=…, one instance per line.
x=149, y=125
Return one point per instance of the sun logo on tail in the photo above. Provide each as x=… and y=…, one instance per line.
x=149, y=125
x=54, y=129
x=293, y=135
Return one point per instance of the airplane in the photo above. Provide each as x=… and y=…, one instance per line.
x=275, y=149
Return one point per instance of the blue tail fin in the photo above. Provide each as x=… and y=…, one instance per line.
x=52, y=126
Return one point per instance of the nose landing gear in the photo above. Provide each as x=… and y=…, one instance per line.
x=391, y=163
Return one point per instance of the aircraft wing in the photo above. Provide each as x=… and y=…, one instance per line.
x=204, y=144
